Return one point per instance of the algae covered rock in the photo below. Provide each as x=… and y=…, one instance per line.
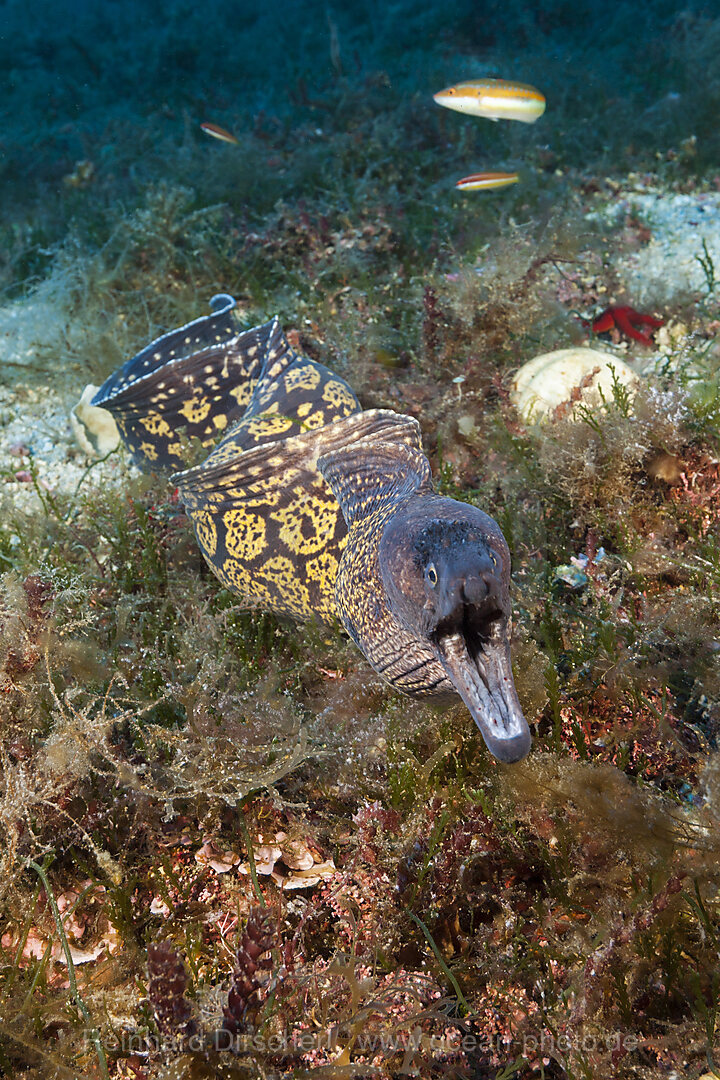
x=551, y=385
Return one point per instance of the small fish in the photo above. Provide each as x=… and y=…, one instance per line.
x=219, y=133
x=495, y=99
x=486, y=181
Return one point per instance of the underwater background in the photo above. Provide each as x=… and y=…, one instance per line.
x=217, y=827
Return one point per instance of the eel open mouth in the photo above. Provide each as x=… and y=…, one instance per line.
x=476, y=657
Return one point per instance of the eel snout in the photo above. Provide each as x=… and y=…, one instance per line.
x=476, y=657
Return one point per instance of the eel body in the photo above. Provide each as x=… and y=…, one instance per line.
x=310, y=507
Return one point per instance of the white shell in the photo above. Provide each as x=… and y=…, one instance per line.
x=94, y=428
x=567, y=377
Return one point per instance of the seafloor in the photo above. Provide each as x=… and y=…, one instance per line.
x=219, y=827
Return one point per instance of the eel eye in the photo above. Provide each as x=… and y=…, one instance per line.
x=431, y=575
x=493, y=559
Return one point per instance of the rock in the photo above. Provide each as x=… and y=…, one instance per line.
x=94, y=428
x=551, y=385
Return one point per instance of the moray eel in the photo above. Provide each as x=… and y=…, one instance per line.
x=312, y=508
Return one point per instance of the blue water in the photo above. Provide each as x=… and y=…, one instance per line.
x=113, y=80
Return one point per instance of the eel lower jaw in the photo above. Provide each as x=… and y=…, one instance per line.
x=483, y=678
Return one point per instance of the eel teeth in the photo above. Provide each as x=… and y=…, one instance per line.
x=483, y=679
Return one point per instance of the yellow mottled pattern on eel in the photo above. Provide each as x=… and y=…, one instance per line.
x=265, y=519
x=294, y=394
x=245, y=534
x=277, y=531
x=270, y=530
x=190, y=384
x=278, y=549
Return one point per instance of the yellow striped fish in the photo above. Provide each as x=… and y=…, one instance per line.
x=486, y=181
x=220, y=133
x=495, y=99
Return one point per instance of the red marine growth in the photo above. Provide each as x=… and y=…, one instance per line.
x=628, y=321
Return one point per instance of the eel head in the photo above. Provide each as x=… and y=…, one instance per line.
x=446, y=571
